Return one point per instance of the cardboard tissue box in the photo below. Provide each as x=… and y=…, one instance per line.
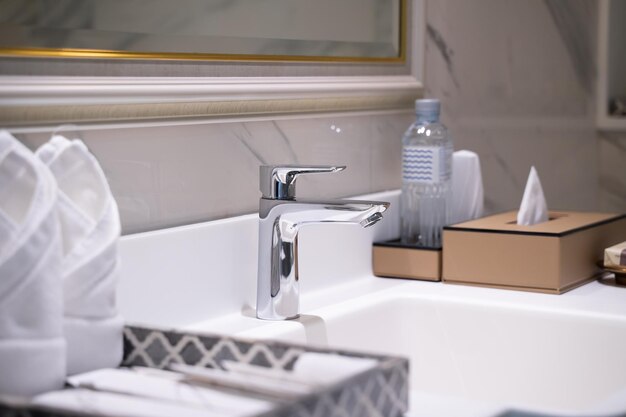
x=550, y=257
x=394, y=259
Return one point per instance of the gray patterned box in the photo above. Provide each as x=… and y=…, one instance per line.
x=378, y=392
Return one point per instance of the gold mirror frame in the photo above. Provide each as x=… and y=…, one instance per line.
x=134, y=55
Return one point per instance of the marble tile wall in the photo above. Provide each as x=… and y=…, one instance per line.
x=164, y=176
x=612, y=149
x=516, y=79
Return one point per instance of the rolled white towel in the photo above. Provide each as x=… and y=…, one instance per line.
x=32, y=347
x=326, y=368
x=90, y=229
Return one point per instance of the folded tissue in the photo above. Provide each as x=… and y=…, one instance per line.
x=615, y=256
x=323, y=368
x=533, y=208
x=170, y=387
x=32, y=347
x=84, y=402
x=467, y=198
x=90, y=229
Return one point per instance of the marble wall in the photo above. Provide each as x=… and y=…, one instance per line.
x=516, y=79
x=612, y=173
x=517, y=84
x=165, y=176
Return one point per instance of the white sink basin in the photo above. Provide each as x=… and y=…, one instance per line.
x=490, y=352
x=508, y=355
x=473, y=351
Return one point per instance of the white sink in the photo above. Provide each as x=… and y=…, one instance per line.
x=475, y=351
x=508, y=355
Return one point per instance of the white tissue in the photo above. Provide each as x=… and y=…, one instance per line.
x=467, y=195
x=324, y=368
x=169, y=387
x=32, y=348
x=90, y=229
x=255, y=384
x=533, y=208
x=89, y=402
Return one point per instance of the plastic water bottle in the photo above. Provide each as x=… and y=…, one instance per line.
x=426, y=176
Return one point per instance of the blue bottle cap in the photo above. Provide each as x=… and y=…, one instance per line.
x=429, y=107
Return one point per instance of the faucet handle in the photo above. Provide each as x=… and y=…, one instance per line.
x=278, y=182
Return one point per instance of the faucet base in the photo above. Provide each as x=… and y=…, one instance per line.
x=297, y=316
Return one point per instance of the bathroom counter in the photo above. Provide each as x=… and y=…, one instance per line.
x=593, y=299
x=485, y=350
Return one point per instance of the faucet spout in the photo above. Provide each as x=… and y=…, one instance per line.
x=279, y=223
x=371, y=220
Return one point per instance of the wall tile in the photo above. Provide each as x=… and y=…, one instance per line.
x=171, y=175
x=515, y=79
x=613, y=172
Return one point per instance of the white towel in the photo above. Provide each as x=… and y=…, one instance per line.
x=90, y=229
x=32, y=348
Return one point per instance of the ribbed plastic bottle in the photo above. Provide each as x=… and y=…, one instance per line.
x=426, y=175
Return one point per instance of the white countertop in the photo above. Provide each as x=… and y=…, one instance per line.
x=203, y=277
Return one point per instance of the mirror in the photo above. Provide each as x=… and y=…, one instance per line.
x=257, y=30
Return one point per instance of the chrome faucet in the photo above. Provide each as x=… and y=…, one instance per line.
x=280, y=219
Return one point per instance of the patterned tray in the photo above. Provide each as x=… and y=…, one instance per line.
x=378, y=392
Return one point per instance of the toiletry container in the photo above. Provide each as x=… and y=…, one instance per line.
x=426, y=176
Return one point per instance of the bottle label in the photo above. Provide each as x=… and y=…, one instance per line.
x=423, y=164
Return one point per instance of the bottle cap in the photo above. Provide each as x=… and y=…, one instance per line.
x=429, y=107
